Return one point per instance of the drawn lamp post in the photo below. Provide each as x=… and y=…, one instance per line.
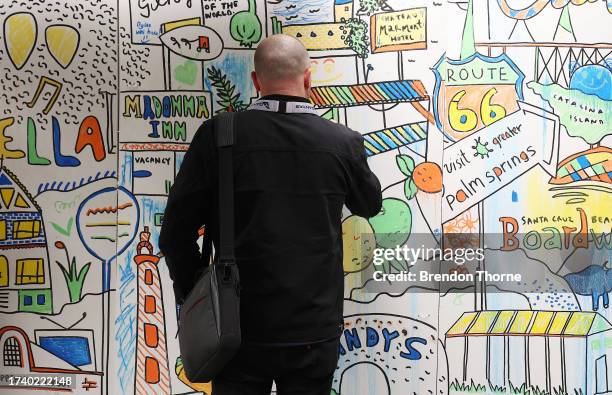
x=477, y=98
x=107, y=222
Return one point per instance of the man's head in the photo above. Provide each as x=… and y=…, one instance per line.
x=282, y=66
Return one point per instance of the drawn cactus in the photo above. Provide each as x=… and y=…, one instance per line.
x=245, y=26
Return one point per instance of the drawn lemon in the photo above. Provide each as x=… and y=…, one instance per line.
x=358, y=241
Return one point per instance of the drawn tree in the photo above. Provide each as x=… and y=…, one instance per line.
x=356, y=36
x=368, y=7
x=227, y=99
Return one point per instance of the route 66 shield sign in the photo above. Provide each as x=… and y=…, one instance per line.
x=475, y=92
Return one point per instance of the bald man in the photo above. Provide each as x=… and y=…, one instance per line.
x=293, y=172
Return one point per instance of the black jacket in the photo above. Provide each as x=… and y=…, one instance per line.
x=292, y=175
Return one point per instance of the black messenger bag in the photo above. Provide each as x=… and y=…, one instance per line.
x=209, y=319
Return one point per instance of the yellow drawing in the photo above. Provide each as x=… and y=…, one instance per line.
x=20, y=36
x=21, y=202
x=41, y=85
x=321, y=36
x=62, y=42
x=324, y=71
x=399, y=30
x=358, y=243
x=7, y=195
x=205, y=388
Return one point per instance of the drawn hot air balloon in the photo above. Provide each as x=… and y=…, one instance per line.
x=20, y=31
x=62, y=43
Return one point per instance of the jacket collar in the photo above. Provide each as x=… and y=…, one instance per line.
x=285, y=98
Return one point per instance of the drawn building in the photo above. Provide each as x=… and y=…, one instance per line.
x=343, y=10
x=25, y=281
x=536, y=348
x=152, y=371
x=20, y=356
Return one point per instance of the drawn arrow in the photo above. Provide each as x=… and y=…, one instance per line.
x=479, y=165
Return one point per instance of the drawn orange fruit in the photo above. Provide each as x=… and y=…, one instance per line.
x=427, y=177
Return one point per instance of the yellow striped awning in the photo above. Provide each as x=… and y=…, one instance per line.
x=528, y=323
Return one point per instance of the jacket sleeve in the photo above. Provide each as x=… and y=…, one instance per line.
x=186, y=212
x=365, y=196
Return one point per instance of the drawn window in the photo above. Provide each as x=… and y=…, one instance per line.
x=151, y=337
x=12, y=352
x=30, y=271
x=148, y=277
x=151, y=370
x=4, y=271
x=26, y=229
x=150, y=304
x=2, y=230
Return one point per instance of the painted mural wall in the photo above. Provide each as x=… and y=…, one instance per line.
x=487, y=122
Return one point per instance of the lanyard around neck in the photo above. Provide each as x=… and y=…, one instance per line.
x=282, y=106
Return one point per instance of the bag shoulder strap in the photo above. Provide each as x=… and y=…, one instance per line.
x=225, y=140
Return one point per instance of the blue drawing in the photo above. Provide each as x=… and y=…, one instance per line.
x=60, y=159
x=90, y=207
x=141, y=173
x=593, y=80
x=595, y=280
x=65, y=186
x=72, y=349
x=303, y=11
x=125, y=323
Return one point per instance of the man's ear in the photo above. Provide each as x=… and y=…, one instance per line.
x=255, y=81
x=307, y=81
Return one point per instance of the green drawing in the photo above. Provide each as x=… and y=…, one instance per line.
x=333, y=114
x=277, y=26
x=481, y=149
x=64, y=231
x=406, y=166
x=393, y=224
x=225, y=91
x=186, y=72
x=368, y=7
x=356, y=36
x=74, y=280
x=468, y=43
x=43, y=298
x=565, y=22
x=472, y=388
x=245, y=26
x=109, y=238
x=33, y=157
x=584, y=115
